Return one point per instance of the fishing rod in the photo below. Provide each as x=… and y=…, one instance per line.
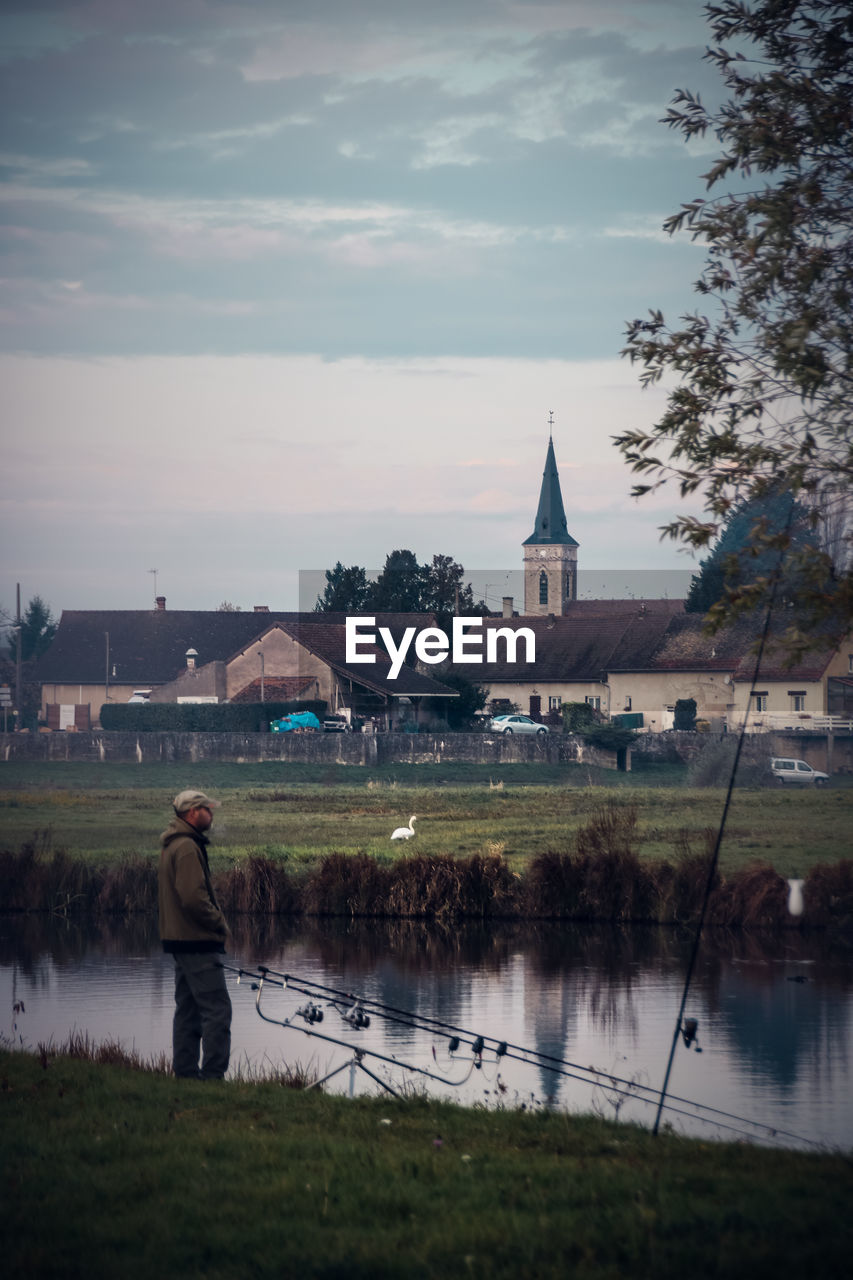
x=357, y=1019
x=356, y=1010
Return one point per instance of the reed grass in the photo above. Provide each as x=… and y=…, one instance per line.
x=602, y=878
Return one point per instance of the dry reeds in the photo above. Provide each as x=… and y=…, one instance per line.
x=40, y=878
x=438, y=886
x=603, y=879
x=129, y=887
x=347, y=886
x=257, y=886
x=828, y=896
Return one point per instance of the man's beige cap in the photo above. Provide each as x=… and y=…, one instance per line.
x=193, y=800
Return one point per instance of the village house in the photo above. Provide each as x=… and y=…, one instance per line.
x=105, y=656
x=625, y=658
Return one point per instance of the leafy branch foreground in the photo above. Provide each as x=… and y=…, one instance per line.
x=108, y=1172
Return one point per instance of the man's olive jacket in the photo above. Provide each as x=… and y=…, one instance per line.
x=190, y=916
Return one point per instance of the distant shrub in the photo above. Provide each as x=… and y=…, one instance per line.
x=577, y=716
x=685, y=714
x=713, y=766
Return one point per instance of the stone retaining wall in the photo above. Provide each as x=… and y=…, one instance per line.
x=331, y=748
x=832, y=753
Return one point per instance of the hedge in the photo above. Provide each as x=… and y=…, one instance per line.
x=203, y=717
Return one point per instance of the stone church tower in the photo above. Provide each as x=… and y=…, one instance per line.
x=550, y=553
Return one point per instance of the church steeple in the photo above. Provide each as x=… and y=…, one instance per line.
x=550, y=553
x=550, y=527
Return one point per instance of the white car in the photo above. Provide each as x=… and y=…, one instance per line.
x=516, y=724
x=789, y=772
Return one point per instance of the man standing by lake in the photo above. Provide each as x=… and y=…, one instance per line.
x=193, y=930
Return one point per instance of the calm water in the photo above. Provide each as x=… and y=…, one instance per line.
x=775, y=1014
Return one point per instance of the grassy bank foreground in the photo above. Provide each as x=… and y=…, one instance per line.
x=109, y=1172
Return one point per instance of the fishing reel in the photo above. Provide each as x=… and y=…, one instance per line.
x=356, y=1017
x=310, y=1012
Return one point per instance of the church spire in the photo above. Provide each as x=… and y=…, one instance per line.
x=550, y=553
x=550, y=528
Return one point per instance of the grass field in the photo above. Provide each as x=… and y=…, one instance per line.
x=111, y=1172
x=296, y=814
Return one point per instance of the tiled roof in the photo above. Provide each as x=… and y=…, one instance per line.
x=685, y=646
x=276, y=689
x=148, y=647
x=580, y=645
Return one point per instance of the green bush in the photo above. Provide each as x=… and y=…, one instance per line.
x=577, y=716
x=203, y=717
x=685, y=714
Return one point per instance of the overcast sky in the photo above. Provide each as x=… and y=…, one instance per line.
x=287, y=282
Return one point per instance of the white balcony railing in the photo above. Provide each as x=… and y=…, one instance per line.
x=770, y=721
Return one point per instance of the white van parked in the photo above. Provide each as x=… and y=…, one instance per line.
x=794, y=772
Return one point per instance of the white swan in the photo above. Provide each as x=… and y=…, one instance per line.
x=404, y=833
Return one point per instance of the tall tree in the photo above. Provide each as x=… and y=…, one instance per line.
x=445, y=591
x=741, y=553
x=38, y=627
x=764, y=375
x=403, y=586
x=346, y=590
x=400, y=586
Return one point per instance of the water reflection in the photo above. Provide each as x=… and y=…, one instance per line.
x=775, y=1013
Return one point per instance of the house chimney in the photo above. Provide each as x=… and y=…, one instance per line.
x=160, y=603
x=507, y=606
x=262, y=608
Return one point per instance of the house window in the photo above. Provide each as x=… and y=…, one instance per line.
x=594, y=701
x=759, y=701
x=627, y=702
x=543, y=587
x=850, y=664
x=554, y=702
x=798, y=699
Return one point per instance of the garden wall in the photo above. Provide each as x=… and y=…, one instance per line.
x=331, y=748
x=832, y=753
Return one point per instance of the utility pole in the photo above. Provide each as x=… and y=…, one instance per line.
x=18, y=681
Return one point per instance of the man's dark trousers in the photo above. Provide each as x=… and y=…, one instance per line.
x=202, y=1016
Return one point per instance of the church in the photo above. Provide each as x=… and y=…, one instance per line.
x=630, y=660
x=633, y=660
